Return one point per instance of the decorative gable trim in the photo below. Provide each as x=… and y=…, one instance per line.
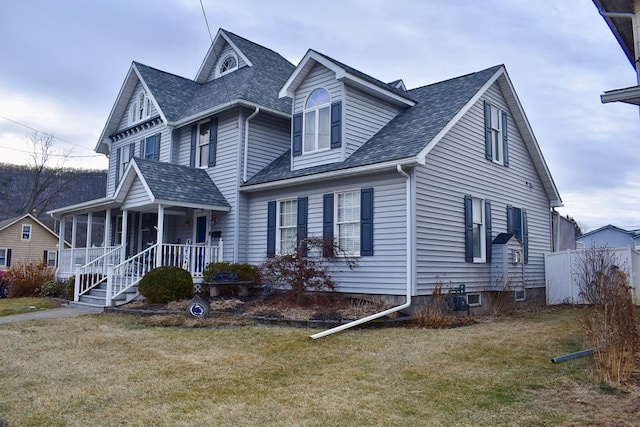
x=139, y=127
x=312, y=58
x=213, y=55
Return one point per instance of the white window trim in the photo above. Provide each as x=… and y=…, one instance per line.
x=148, y=139
x=315, y=110
x=477, y=304
x=496, y=135
x=55, y=258
x=23, y=231
x=523, y=297
x=481, y=235
x=280, y=227
x=219, y=72
x=342, y=252
x=199, y=145
x=5, y=256
x=125, y=159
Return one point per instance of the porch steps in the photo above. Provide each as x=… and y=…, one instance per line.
x=97, y=297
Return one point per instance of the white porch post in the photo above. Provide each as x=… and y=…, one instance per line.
x=59, y=258
x=87, y=244
x=74, y=234
x=123, y=240
x=107, y=229
x=160, y=238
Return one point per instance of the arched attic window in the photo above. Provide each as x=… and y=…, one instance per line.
x=141, y=108
x=228, y=64
x=317, y=121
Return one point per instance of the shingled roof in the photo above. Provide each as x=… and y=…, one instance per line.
x=180, y=98
x=181, y=185
x=403, y=137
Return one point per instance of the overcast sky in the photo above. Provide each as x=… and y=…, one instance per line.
x=62, y=64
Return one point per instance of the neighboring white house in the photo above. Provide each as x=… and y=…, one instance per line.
x=255, y=154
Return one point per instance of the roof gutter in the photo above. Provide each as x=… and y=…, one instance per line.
x=634, y=29
x=225, y=106
x=409, y=252
x=410, y=161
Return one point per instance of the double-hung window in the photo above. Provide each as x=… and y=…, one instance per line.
x=317, y=121
x=287, y=226
x=202, y=150
x=50, y=258
x=150, y=147
x=26, y=231
x=3, y=257
x=348, y=222
x=125, y=155
x=496, y=136
x=478, y=234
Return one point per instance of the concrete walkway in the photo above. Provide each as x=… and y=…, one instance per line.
x=53, y=313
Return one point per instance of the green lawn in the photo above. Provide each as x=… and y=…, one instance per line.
x=111, y=370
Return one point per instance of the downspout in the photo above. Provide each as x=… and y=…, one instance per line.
x=409, y=269
x=246, y=143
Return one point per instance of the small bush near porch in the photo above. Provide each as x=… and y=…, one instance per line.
x=110, y=370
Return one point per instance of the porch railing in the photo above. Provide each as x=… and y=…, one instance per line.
x=91, y=274
x=68, y=259
x=193, y=258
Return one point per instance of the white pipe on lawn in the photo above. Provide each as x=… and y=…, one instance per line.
x=409, y=270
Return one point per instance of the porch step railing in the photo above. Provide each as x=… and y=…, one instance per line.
x=94, y=272
x=193, y=258
x=70, y=258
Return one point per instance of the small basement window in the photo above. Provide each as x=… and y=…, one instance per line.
x=474, y=300
x=521, y=295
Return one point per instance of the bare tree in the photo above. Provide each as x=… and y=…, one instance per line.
x=47, y=174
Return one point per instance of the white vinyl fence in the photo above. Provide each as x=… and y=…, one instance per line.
x=562, y=283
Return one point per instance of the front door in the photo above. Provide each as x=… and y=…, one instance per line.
x=201, y=229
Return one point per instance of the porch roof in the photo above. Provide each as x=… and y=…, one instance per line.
x=165, y=184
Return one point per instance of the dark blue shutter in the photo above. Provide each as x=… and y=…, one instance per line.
x=142, y=148
x=487, y=228
x=525, y=236
x=336, y=124
x=271, y=229
x=327, y=224
x=509, y=219
x=303, y=203
x=192, y=152
x=8, y=257
x=45, y=257
x=213, y=141
x=297, y=135
x=488, y=132
x=505, y=138
x=132, y=150
x=117, y=166
x=366, y=222
x=468, y=228
x=156, y=150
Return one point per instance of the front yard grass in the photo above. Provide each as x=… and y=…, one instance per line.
x=110, y=369
x=11, y=306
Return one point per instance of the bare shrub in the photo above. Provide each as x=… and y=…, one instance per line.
x=308, y=268
x=437, y=314
x=610, y=319
x=26, y=279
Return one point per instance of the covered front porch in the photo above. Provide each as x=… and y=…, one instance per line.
x=116, y=240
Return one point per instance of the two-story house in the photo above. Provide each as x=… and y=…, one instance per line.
x=442, y=183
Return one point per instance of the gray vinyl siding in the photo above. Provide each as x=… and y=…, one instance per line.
x=269, y=137
x=136, y=196
x=318, y=77
x=382, y=273
x=365, y=116
x=457, y=166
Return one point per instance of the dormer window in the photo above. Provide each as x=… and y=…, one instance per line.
x=317, y=121
x=228, y=64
